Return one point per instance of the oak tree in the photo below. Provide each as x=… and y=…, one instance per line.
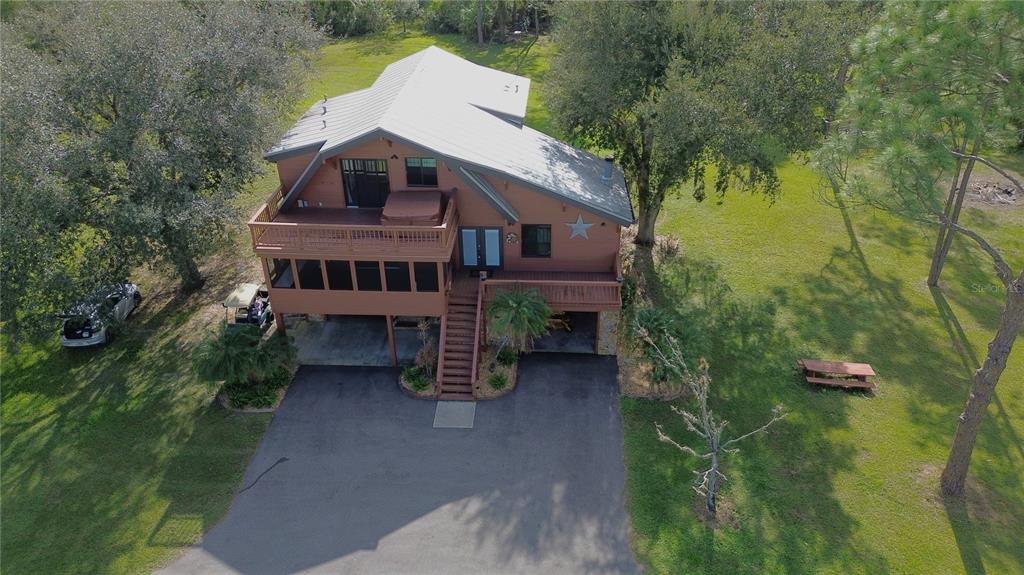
x=676, y=88
x=142, y=123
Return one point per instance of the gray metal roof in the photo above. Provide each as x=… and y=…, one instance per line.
x=469, y=115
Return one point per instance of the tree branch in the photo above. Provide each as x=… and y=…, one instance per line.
x=777, y=414
x=662, y=437
x=1002, y=268
x=989, y=163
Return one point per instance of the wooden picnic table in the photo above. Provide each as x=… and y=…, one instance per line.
x=837, y=373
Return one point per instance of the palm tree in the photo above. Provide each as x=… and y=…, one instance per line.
x=518, y=317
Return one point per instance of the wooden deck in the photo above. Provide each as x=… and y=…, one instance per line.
x=331, y=216
x=344, y=233
x=564, y=291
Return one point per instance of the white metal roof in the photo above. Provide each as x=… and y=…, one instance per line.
x=470, y=115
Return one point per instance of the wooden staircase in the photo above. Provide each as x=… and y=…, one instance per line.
x=458, y=343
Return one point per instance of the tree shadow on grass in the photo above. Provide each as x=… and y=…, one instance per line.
x=88, y=434
x=787, y=517
x=860, y=315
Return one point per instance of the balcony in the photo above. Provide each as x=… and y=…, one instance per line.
x=348, y=233
x=563, y=291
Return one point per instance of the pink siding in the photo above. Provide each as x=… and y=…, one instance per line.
x=596, y=254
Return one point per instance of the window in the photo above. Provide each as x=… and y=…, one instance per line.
x=421, y=172
x=368, y=276
x=366, y=183
x=536, y=241
x=426, y=276
x=397, y=276
x=281, y=274
x=309, y=274
x=339, y=275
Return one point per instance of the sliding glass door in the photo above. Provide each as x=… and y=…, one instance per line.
x=366, y=183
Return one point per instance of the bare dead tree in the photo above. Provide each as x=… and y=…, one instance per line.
x=703, y=422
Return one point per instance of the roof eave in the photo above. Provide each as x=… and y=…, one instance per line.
x=283, y=154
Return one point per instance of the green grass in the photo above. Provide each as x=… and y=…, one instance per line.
x=848, y=482
x=113, y=460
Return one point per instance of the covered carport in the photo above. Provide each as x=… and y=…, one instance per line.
x=571, y=332
x=356, y=340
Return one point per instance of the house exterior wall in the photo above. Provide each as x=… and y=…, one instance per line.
x=596, y=253
x=325, y=188
x=593, y=254
x=290, y=169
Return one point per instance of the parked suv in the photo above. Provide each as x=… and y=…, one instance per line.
x=91, y=321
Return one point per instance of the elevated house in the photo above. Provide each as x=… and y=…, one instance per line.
x=424, y=195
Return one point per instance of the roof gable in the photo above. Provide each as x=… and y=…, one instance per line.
x=468, y=114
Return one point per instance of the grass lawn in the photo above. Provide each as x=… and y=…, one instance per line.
x=113, y=460
x=847, y=483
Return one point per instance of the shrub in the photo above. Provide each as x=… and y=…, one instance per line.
x=252, y=369
x=655, y=329
x=507, y=357
x=517, y=317
x=249, y=394
x=445, y=17
x=497, y=381
x=426, y=356
x=416, y=379
x=345, y=18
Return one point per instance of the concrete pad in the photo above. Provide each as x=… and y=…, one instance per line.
x=455, y=414
x=352, y=340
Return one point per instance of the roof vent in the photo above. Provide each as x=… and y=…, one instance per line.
x=609, y=161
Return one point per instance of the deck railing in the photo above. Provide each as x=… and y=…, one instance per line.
x=269, y=236
x=476, y=336
x=561, y=294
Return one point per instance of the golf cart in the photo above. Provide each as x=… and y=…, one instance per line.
x=249, y=304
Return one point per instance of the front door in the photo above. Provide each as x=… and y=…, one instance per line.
x=480, y=248
x=366, y=183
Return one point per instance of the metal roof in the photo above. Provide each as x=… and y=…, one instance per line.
x=467, y=114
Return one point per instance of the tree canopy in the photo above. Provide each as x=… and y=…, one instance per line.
x=674, y=88
x=128, y=130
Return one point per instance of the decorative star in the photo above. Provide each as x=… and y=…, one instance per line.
x=579, y=228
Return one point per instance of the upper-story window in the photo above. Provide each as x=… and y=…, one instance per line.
x=421, y=172
x=536, y=241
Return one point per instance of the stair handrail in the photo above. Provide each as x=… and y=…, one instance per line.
x=476, y=336
x=440, y=349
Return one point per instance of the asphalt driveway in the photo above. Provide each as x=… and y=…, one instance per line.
x=352, y=478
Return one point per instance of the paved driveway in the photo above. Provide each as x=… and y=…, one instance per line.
x=352, y=478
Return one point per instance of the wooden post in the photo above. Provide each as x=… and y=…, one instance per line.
x=279, y=321
x=391, y=341
x=295, y=273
